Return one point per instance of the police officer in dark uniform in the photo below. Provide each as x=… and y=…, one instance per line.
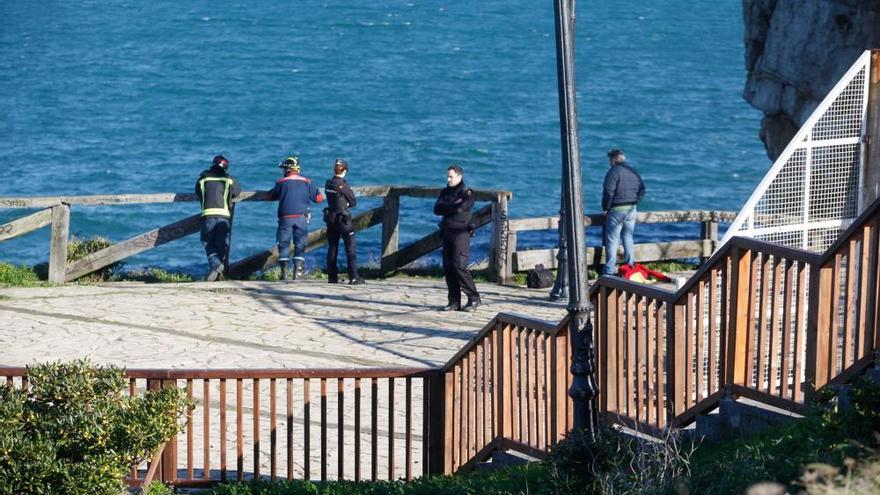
x=215, y=189
x=337, y=215
x=455, y=204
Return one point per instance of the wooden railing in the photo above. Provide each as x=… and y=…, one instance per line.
x=56, y=212
x=757, y=320
x=507, y=388
x=361, y=424
x=654, y=251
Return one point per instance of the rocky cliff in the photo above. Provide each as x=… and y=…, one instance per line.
x=796, y=50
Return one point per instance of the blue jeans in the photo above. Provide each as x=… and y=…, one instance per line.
x=215, y=239
x=292, y=228
x=617, y=222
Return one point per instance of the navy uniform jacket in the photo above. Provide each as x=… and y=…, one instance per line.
x=455, y=205
x=623, y=186
x=294, y=193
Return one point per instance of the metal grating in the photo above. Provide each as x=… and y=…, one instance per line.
x=813, y=191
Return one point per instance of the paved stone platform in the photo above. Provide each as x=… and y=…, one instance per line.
x=301, y=324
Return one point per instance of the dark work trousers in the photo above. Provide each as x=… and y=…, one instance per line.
x=333, y=236
x=215, y=239
x=456, y=251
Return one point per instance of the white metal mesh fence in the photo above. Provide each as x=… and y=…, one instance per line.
x=813, y=191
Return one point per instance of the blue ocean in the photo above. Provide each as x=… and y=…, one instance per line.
x=114, y=97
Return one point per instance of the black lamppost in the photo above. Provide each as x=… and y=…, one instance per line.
x=583, y=389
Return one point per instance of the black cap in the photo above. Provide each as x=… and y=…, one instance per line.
x=220, y=160
x=614, y=153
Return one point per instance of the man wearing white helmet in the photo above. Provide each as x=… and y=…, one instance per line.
x=295, y=193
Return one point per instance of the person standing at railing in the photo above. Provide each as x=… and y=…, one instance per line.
x=294, y=193
x=456, y=227
x=215, y=189
x=621, y=194
x=337, y=216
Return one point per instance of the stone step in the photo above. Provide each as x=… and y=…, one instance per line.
x=739, y=418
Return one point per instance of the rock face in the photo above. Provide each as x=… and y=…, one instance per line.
x=796, y=50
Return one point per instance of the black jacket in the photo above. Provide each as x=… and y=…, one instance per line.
x=455, y=205
x=340, y=197
x=215, y=189
x=623, y=186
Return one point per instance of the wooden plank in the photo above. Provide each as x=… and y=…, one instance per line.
x=307, y=424
x=775, y=331
x=515, y=384
x=432, y=242
x=700, y=314
x=539, y=343
x=357, y=429
x=446, y=442
x=189, y=430
x=641, y=355
x=390, y=230
x=786, y=350
x=505, y=384
x=740, y=289
x=206, y=432
x=608, y=376
x=660, y=390
x=799, y=331
x=408, y=427
x=289, y=423
x=531, y=403
x=239, y=428
x=671, y=250
x=650, y=370
x=323, y=390
x=818, y=329
x=478, y=398
x=630, y=341
x=267, y=259
x=763, y=316
x=256, y=413
x=850, y=346
x=689, y=351
x=374, y=429
x=130, y=247
x=58, y=243
x=23, y=225
x=340, y=428
x=273, y=431
x=865, y=278
x=223, y=429
x=714, y=336
x=499, y=270
x=488, y=403
x=561, y=396
x=834, y=317
x=391, y=431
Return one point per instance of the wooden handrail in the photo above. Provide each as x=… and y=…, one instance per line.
x=256, y=373
x=591, y=219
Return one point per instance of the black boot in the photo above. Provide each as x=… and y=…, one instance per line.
x=299, y=267
x=472, y=304
x=452, y=306
x=284, y=272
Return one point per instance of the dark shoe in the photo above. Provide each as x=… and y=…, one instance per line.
x=472, y=305
x=299, y=268
x=285, y=275
x=357, y=281
x=332, y=281
x=453, y=306
x=215, y=273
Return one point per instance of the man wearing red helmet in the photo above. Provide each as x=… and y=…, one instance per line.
x=215, y=189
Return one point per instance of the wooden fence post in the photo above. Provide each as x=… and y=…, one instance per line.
x=500, y=268
x=390, y=230
x=709, y=236
x=675, y=360
x=818, y=352
x=738, y=324
x=436, y=412
x=168, y=466
x=58, y=243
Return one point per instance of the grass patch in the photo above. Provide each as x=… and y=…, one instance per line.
x=18, y=275
x=153, y=276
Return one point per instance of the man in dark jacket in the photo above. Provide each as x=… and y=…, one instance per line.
x=294, y=193
x=622, y=192
x=215, y=189
x=340, y=200
x=455, y=204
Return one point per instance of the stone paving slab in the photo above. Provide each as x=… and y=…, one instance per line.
x=308, y=324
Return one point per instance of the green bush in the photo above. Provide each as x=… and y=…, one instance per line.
x=80, y=248
x=828, y=434
x=75, y=432
x=152, y=276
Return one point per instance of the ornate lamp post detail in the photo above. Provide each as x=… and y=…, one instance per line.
x=583, y=388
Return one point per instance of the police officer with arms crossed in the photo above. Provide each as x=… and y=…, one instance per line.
x=294, y=193
x=337, y=215
x=455, y=204
x=215, y=189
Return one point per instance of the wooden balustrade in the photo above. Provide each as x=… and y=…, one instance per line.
x=302, y=424
x=666, y=250
x=57, y=214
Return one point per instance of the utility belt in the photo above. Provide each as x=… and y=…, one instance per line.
x=338, y=219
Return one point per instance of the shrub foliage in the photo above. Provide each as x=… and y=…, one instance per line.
x=74, y=432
